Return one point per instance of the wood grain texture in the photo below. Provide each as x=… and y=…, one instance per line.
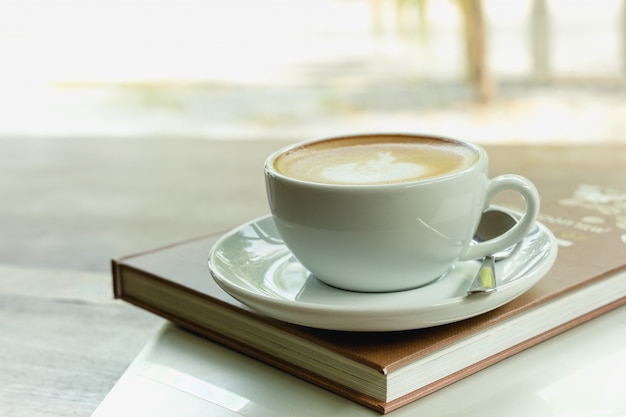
x=68, y=207
x=63, y=347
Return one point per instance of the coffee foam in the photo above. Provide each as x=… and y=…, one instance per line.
x=374, y=160
x=383, y=168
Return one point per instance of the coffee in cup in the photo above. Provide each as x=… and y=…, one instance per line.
x=387, y=212
x=372, y=160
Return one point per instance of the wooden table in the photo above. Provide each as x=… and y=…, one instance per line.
x=68, y=206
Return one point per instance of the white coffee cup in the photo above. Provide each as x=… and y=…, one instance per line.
x=387, y=212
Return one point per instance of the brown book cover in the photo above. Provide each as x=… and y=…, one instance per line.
x=588, y=219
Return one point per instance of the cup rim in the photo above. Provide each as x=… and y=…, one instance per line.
x=270, y=169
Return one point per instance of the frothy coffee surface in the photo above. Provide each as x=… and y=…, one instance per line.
x=374, y=160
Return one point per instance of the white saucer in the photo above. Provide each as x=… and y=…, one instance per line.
x=253, y=265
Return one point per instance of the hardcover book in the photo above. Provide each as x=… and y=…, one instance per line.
x=587, y=279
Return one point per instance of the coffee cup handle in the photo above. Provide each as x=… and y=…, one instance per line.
x=517, y=232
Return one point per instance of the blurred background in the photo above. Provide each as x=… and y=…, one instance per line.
x=491, y=71
x=127, y=125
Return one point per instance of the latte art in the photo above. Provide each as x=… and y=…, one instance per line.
x=386, y=168
x=374, y=160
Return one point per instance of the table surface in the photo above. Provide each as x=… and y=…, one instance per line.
x=68, y=206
